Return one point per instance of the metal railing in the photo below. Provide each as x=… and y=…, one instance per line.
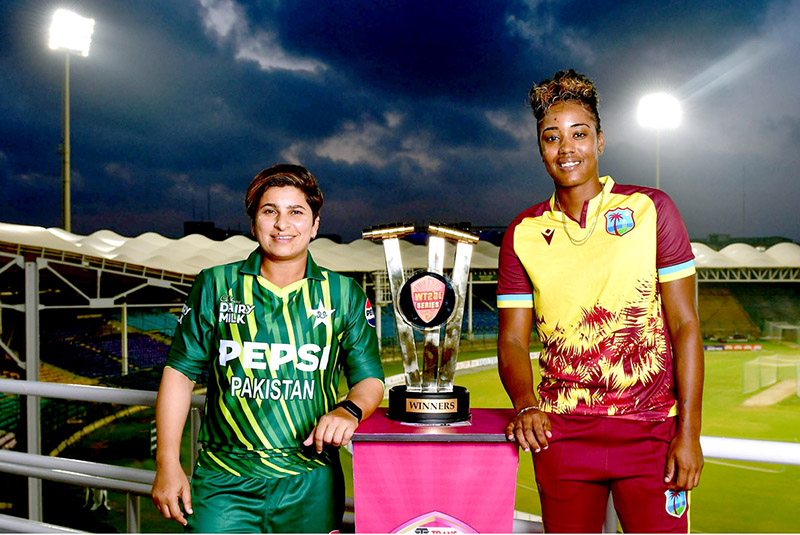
x=133, y=482
x=136, y=482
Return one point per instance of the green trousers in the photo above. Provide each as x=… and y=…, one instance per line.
x=312, y=502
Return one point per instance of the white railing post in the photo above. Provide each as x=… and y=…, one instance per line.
x=33, y=403
x=124, y=338
x=132, y=511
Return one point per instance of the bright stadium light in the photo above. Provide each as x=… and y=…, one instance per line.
x=73, y=34
x=69, y=31
x=659, y=111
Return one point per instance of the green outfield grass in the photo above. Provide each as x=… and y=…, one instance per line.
x=732, y=497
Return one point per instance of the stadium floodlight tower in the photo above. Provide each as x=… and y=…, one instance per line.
x=659, y=111
x=73, y=34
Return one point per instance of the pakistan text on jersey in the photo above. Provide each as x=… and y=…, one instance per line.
x=288, y=389
x=257, y=355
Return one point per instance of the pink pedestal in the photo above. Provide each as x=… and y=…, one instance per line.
x=436, y=480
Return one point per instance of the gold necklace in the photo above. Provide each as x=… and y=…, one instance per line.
x=594, y=223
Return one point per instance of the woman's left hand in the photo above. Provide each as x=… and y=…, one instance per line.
x=335, y=428
x=684, y=463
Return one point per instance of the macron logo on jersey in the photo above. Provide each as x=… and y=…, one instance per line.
x=259, y=355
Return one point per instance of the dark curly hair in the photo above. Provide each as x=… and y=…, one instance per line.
x=282, y=175
x=566, y=86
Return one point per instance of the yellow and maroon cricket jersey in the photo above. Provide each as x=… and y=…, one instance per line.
x=597, y=306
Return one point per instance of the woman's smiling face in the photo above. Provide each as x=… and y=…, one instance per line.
x=570, y=144
x=284, y=224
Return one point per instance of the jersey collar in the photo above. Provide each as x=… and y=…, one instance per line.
x=606, y=181
x=252, y=266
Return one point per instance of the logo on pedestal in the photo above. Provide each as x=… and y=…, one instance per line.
x=434, y=523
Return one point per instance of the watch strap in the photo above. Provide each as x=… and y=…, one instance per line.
x=350, y=407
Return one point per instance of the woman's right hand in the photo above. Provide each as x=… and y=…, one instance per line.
x=170, y=488
x=530, y=428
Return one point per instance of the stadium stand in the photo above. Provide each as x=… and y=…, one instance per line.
x=722, y=315
x=769, y=302
x=147, y=321
x=9, y=412
x=143, y=351
x=77, y=357
x=52, y=374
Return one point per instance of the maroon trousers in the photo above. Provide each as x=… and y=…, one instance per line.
x=588, y=456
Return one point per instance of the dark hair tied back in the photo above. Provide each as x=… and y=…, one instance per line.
x=566, y=86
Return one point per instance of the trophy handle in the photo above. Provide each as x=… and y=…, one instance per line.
x=405, y=336
x=452, y=329
x=430, y=354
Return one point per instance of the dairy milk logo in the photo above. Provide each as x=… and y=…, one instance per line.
x=260, y=355
x=232, y=311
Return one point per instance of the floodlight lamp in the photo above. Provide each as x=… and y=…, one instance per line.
x=69, y=31
x=659, y=110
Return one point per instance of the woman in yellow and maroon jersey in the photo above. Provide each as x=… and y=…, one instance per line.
x=606, y=273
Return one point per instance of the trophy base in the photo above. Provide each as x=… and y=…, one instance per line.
x=434, y=408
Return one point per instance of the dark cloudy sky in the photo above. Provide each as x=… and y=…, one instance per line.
x=404, y=110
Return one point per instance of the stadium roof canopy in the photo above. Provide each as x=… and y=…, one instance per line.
x=151, y=255
x=188, y=255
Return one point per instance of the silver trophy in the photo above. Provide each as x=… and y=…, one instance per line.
x=426, y=301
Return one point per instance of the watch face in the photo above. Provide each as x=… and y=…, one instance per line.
x=426, y=299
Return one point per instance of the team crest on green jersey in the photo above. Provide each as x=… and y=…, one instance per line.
x=321, y=314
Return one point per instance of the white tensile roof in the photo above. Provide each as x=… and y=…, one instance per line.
x=190, y=254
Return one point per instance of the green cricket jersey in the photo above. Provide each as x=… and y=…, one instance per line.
x=273, y=356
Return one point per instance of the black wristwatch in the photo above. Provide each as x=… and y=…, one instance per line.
x=350, y=407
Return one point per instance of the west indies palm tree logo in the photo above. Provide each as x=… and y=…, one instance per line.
x=619, y=221
x=676, y=502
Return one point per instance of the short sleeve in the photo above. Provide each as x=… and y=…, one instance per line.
x=191, y=348
x=514, y=289
x=359, y=341
x=674, y=257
